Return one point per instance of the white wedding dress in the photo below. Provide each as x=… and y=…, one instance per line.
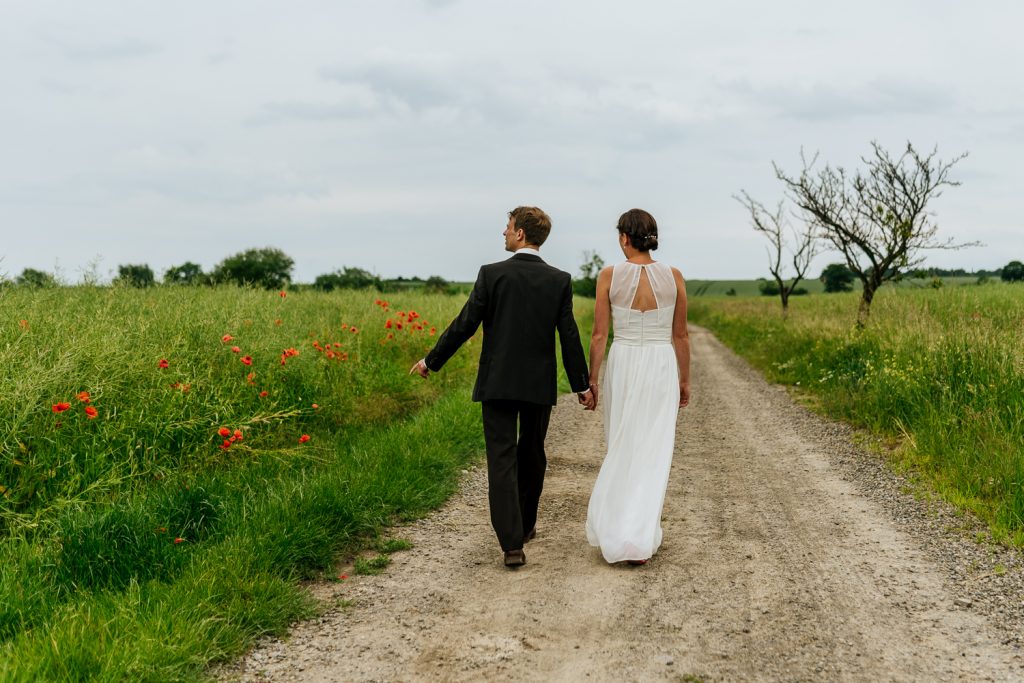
x=640, y=399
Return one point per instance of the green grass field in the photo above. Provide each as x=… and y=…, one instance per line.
x=697, y=288
x=140, y=537
x=938, y=372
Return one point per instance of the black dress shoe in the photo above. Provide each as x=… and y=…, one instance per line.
x=530, y=535
x=515, y=558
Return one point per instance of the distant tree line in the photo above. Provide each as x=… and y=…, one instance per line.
x=266, y=268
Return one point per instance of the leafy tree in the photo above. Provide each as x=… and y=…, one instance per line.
x=268, y=268
x=767, y=287
x=878, y=218
x=346, y=278
x=30, y=277
x=586, y=284
x=436, y=284
x=802, y=246
x=1012, y=272
x=838, y=277
x=135, y=275
x=187, y=273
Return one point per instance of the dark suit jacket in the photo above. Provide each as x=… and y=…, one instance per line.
x=520, y=302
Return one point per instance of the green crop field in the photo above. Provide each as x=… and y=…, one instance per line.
x=174, y=460
x=938, y=372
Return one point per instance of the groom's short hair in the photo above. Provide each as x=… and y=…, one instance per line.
x=535, y=224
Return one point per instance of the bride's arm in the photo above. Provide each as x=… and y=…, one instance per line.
x=681, y=339
x=602, y=317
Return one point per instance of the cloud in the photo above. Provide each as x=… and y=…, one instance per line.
x=827, y=101
x=111, y=51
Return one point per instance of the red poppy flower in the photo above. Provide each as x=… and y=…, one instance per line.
x=344, y=356
x=23, y=324
x=315, y=406
x=224, y=431
x=226, y=445
x=264, y=394
x=235, y=349
x=284, y=294
x=238, y=434
x=250, y=377
x=246, y=360
x=342, y=576
x=226, y=338
x=432, y=331
x=390, y=336
x=91, y=412
x=330, y=354
x=60, y=407
x=304, y=438
x=83, y=396
x=388, y=324
x=337, y=345
x=277, y=322
x=163, y=364
x=178, y=540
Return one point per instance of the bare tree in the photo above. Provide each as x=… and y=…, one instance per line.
x=773, y=226
x=877, y=218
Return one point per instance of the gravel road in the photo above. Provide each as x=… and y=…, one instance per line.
x=790, y=554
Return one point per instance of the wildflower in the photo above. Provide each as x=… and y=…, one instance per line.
x=235, y=349
x=390, y=335
x=226, y=445
x=315, y=406
x=277, y=322
x=91, y=412
x=226, y=338
x=264, y=393
x=342, y=576
x=388, y=324
x=354, y=329
x=337, y=345
x=23, y=324
x=83, y=396
x=60, y=407
x=178, y=540
x=284, y=294
x=163, y=364
x=304, y=438
x=224, y=431
x=250, y=377
x=238, y=434
x=330, y=354
x=344, y=356
x=432, y=331
x=246, y=360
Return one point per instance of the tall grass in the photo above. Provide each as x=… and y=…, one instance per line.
x=140, y=544
x=941, y=372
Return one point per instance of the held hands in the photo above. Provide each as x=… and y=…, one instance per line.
x=421, y=369
x=589, y=398
x=684, y=394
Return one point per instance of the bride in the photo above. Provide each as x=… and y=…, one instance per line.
x=646, y=381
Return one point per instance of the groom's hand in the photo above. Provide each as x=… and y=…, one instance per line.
x=420, y=368
x=588, y=398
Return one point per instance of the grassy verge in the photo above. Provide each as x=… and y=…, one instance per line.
x=173, y=460
x=938, y=373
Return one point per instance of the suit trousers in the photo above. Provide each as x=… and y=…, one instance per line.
x=515, y=466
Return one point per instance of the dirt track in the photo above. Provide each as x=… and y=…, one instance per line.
x=774, y=567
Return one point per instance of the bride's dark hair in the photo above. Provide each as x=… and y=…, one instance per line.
x=641, y=228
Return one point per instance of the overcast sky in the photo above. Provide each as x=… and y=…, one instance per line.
x=394, y=136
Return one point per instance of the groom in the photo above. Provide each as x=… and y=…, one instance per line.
x=520, y=302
